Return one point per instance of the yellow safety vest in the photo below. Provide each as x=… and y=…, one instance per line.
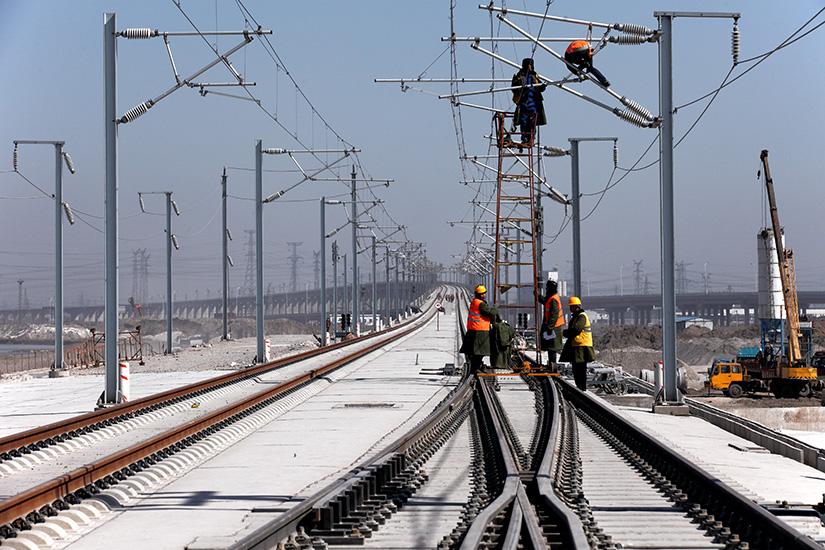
x=585, y=337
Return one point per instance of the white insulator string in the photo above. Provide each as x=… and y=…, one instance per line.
x=734, y=42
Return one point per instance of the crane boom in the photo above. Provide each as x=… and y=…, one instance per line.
x=786, y=269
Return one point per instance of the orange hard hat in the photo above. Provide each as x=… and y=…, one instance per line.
x=579, y=46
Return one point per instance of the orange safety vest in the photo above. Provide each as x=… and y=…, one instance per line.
x=475, y=321
x=560, y=320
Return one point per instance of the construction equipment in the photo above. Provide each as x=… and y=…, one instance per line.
x=781, y=365
x=601, y=377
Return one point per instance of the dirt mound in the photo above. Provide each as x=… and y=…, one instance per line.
x=819, y=332
x=636, y=348
x=624, y=336
x=695, y=331
x=32, y=334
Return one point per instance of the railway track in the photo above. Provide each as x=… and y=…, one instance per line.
x=231, y=411
x=534, y=464
x=619, y=478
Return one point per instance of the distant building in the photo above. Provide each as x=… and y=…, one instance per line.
x=683, y=322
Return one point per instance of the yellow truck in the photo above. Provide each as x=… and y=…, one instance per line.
x=734, y=379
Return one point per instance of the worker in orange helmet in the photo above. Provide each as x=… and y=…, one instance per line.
x=476, y=342
x=579, y=57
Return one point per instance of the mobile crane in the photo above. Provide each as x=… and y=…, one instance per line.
x=785, y=372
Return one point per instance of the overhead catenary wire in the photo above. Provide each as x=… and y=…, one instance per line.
x=713, y=94
x=30, y=182
x=759, y=59
x=276, y=58
x=541, y=27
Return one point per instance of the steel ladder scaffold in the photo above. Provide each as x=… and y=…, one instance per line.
x=516, y=229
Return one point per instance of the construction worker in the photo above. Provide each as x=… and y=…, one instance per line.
x=552, y=322
x=476, y=342
x=578, y=348
x=529, y=101
x=503, y=335
x=579, y=57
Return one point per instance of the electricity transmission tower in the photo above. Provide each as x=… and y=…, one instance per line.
x=316, y=268
x=681, y=277
x=140, y=274
x=135, y=272
x=20, y=299
x=637, y=275
x=293, y=273
x=249, y=276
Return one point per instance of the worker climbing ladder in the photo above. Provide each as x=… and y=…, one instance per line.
x=516, y=243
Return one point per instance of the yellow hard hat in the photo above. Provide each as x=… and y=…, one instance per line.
x=574, y=301
x=481, y=289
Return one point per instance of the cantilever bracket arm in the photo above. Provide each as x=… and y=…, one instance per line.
x=142, y=108
x=628, y=28
x=307, y=176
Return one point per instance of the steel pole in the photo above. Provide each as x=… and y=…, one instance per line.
x=539, y=223
x=397, y=288
x=374, y=313
x=518, y=274
x=575, y=199
x=671, y=393
x=404, y=287
x=225, y=262
x=323, y=274
x=168, y=272
x=387, y=305
x=346, y=298
x=58, y=256
x=334, y=286
x=354, y=222
x=110, y=393
x=259, y=252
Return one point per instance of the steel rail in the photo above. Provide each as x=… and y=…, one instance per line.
x=509, y=492
x=523, y=518
x=171, y=441
x=746, y=519
x=544, y=476
x=391, y=458
x=31, y=440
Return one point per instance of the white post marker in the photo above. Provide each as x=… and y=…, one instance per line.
x=267, y=350
x=123, y=367
x=658, y=370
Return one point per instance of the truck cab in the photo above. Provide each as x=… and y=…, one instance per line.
x=728, y=377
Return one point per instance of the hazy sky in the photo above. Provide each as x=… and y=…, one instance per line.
x=52, y=88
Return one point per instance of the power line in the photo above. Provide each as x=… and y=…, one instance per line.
x=276, y=58
x=761, y=57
